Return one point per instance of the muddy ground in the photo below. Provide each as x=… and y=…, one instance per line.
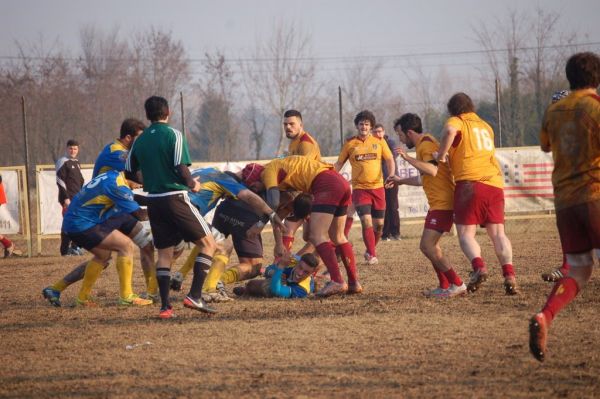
x=388, y=342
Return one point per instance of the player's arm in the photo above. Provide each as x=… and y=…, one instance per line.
x=261, y=208
x=448, y=136
x=388, y=158
x=394, y=180
x=342, y=158
x=426, y=168
x=277, y=287
x=61, y=178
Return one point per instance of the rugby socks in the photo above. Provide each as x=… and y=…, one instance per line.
x=150, y=278
x=347, y=254
x=443, y=280
x=60, y=285
x=125, y=271
x=452, y=277
x=201, y=267
x=92, y=272
x=348, y=225
x=326, y=251
x=563, y=292
x=508, y=270
x=369, y=239
x=288, y=242
x=219, y=262
x=231, y=275
x=189, y=262
x=6, y=242
x=477, y=264
x=163, y=278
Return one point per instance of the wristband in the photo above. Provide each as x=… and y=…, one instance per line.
x=272, y=216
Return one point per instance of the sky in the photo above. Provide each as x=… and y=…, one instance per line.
x=350, y=28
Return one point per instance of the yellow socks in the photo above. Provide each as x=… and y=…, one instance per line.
x=189, y=262
x=217, y=267
x=125, y=270
x=92, y=272
x=60, y=285
x=232, y=275
x=150, y=279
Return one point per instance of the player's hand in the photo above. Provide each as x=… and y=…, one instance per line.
x=279, y=251
x=441, y=157
x=285, y=260
x=197, y=185
x=400, y=151
x=392, y=181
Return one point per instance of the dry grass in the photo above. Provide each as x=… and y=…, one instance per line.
x=389, y=342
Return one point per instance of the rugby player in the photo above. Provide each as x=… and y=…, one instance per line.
x=438, y=185
x=468, y=143
x=365, y=153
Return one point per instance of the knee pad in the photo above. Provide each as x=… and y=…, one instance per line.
x=143, y=237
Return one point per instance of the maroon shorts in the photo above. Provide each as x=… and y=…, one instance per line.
x=439, y=220
x=374, y=197
x=478, y=203
x=579, y=227
x=331, y=193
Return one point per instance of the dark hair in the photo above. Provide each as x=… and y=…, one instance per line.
x=378, y=125
x=460, y=103
x=310, y=259
x=365, y=116
x=583, y=71
x=292, y=112
x=131, y=126
x=157, y=108
x=72, y=143
x=409, y=122
x=302, y=205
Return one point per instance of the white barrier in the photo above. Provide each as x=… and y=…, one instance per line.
x=527, y=176
x=14, y=216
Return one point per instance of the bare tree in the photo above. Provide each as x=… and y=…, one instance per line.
x=280, y=74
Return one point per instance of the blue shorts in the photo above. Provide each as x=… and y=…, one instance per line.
x=92, y=237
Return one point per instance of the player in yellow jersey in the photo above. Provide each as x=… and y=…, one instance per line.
x=330, y=199
x=571, y=130
x=301, y=143
x=468, y=146
x=438, y=184
x=365, y=153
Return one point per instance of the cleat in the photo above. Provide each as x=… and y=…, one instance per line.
x=510, y=286
x=386, y=238
x=176, y=281
x=538, y=334
x=367, y=255
x=166, y=313
x=397, y=238
x=216, y=297
x=457, y=290
x=52, y=295
x=372, y=260
x=437, y=292
x=155, y=298
x=354, y=288
x=88, y=303
x=477, y=278
x=239, y=291
x=553, y=276
x=198, y=304
x=333, y=288
x=134, y=300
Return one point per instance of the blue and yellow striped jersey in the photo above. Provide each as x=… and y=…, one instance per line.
x=112, y=157
x=105, y=196
x=283, y=284
x=214, y=186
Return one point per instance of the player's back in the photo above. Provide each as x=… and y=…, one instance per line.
x=214, y=185
x=293, y=173
x=112, y=157
x=572, y=127
x=439, y=189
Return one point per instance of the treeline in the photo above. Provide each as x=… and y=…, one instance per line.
x=233, y=107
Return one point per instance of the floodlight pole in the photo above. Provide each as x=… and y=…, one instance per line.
x=26, y=188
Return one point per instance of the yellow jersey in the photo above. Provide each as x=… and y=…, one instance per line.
x=365, y=158
x=439, y=189
x=304, y=144
x=473, y=154
x=571, y=127
x=293, y=173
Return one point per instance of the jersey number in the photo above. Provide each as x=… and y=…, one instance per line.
x=484, y=139
x=97, y=181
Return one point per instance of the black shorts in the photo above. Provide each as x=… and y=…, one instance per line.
x=234, y=217
x=174, y=218
x=92, y=237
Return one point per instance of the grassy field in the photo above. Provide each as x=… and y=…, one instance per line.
x=388, y=342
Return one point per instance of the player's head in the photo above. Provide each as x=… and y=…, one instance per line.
x=292, y=123
x=131, y=128
x=307, y=265
x=72, y=148
x=583, y=71
x=559, y=95
x=251, y=176
x=407, y=126
x=379, y=130
x=460, y=103
x=157, y=109
x=364, y=122
x=302, y=205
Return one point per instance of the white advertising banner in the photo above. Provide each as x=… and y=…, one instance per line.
x=527, y=176
x=10, y=217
